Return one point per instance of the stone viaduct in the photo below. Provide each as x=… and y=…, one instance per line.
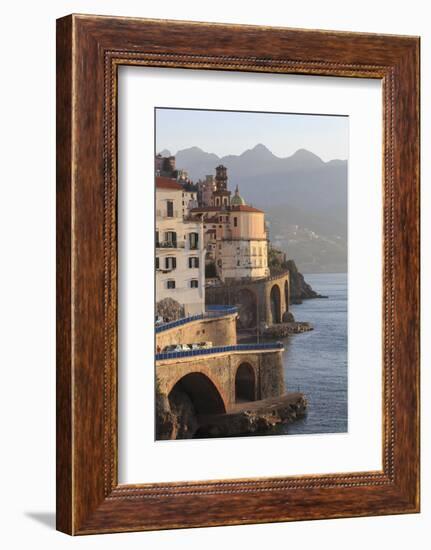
x=258, y=301
x=217, y=381
x=225, y=374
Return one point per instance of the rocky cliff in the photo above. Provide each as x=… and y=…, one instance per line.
x=299, y=288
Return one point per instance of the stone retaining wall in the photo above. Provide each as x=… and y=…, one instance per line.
x=221, y=331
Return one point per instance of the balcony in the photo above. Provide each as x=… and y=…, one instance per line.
x=162, y=214
x=170, y=244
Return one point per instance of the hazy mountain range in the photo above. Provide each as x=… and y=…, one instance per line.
x=305, y=199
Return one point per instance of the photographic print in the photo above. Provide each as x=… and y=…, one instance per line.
x=216, y=296
x=250, y=273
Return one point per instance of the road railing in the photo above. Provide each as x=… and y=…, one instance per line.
x=269, y=346
x=210, y=313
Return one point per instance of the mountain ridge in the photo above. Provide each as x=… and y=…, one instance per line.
x=305, y=199
x=259, y=147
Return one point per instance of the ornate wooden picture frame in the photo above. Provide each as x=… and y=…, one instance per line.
x=89, y=51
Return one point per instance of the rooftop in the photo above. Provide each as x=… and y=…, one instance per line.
x=206, y=209
x=223, y=209
x=167, y=183
x=245, y=208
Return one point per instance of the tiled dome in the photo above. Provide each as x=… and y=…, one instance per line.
x=237, y=200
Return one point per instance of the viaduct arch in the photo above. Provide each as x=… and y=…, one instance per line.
x=275, y=301
x=258, y=301
x=245, y=383
x=287, y=294
x=201, y=391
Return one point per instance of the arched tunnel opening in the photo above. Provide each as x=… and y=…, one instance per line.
x=193, y=396
x=287, y=294
x=275, y=305
x=245, y=383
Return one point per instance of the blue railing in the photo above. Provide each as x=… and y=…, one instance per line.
x=212, y=312
x=178, y=323
x=220, y=349
x=220, y=308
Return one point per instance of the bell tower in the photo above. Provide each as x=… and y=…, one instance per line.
x=221, y=178
x=221, y=196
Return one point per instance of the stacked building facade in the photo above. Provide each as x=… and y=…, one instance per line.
x=208, y=239
x=180, y=252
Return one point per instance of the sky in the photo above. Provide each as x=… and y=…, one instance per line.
x=233, y=132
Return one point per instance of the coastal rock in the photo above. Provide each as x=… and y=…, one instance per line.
x=288, y=317
x=299, y=288
x=183, y=412
x=166, y=421
x=176, y=418
x=281, y=330
x=252, y=421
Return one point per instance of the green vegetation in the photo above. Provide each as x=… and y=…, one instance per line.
x=277, y=261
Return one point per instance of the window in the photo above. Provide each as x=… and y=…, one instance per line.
x=170, y=209
x=193, y=262
x=170, y=283
x=238, y=263
x=157, y=263
x=194, y=283
x=171, y=239
x=235, y=222
x=193, y=240
x=157, y=238
x=170, y=262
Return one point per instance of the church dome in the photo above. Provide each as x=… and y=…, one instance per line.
x=237, y=200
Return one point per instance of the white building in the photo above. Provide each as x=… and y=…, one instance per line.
x=189, y=201
x=180, y=251
x=236, y=239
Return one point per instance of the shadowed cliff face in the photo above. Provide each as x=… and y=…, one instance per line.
x=299, y=288
x=305, y=200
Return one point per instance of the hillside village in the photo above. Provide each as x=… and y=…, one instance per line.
x=211, y=245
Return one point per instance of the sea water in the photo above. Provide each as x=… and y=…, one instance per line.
x=315, y=362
